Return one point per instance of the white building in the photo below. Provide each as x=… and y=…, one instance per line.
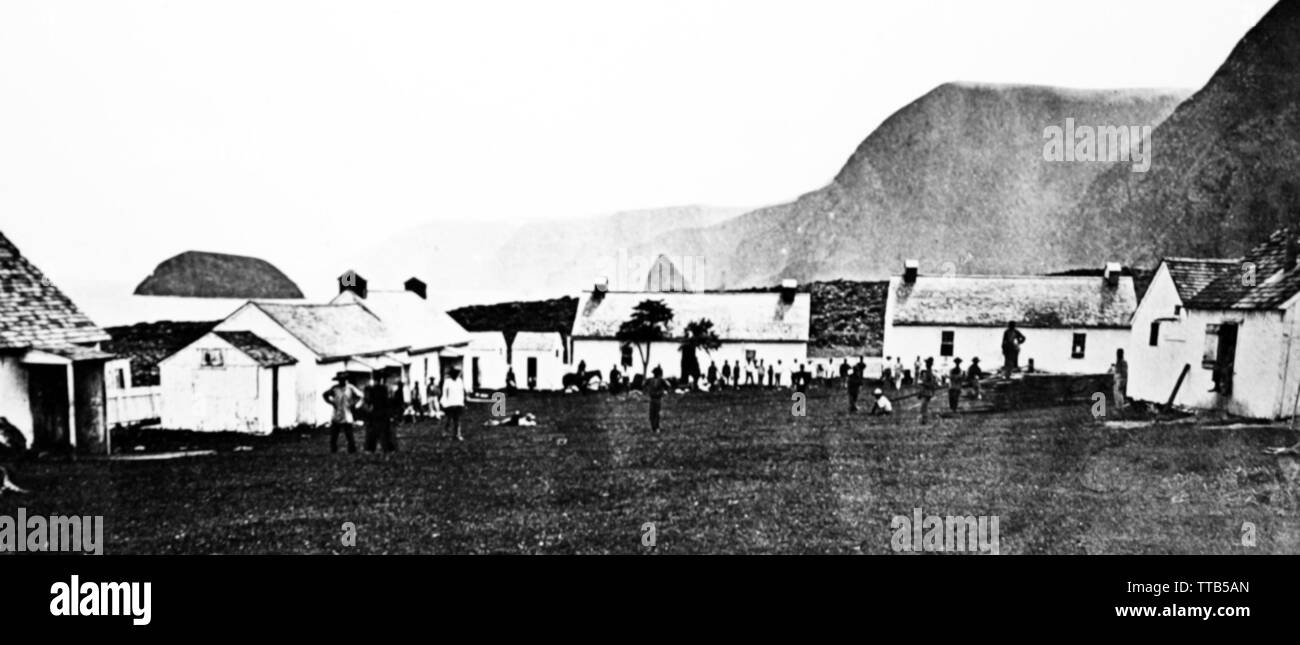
x=482, y=363
x=414, y=321
x=1071, y=324
x=51, y=368
x=229, y=380
x=325, y=340
x=1231, y=319
x=771, y=326
x=537, y=359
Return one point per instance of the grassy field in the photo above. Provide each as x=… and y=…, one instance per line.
x=733, y=472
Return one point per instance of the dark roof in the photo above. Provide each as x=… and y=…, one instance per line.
x=33, y=312
x=1272, y=285
x=200, y=274
x=256, y=348
x=147, y=343
x=1193, y=275
x=1031, y=301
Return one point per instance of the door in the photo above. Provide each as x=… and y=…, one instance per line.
x=474, y=372
x=532, y=372
x=275, y=397
x=47, y=389
x=1227, y=356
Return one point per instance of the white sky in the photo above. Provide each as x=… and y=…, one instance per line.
x=131, y=131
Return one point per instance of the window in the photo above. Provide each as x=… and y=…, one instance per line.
x=626, y=359
x=1178, y=310
x=213, y=358
x=119, y=379
x=1154, y=338
x=945, y=342
x=1079, y=345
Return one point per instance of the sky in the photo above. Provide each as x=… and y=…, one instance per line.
x=295, y=130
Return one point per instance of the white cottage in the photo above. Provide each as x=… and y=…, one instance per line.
x=752, y=325
x=1072, y=324
x=413, y=320
x=537, y=358
x=1230, y=324
x=325, y=340
x=51, y=368
x=229, y=380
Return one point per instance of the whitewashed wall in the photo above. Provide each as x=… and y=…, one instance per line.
x=235, y=397
x=14, y=402
x=1050, y=348
x=312, y=378
x=550, y=368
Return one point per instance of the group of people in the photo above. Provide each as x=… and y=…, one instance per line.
x=380, y=407
x=757, y=372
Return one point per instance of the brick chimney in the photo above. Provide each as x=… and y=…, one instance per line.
x=1110, y=273
x=788, y=288
x=600, y=288
x=352, y=281
x=417, y=287
x=910, y=270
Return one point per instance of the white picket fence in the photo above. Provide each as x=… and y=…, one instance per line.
x=134, y=405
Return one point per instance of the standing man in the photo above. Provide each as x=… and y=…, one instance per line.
x=1012, y=339
x=955, y=378
x=855, y=385
x=655, y=388
x=453, y=402
x=927, y=382
x=898, y=373
x=382, y=400
x=887, y=373
x=431, y=393
x=726, y=373
x=844, y=372
x=975, y=375
x=712, y=376
x=1119, y=379
x=345, y=398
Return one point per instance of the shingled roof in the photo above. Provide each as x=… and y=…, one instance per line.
x=736, y=316
x=1273, y=282
x=256, y=348
x=1193, y=275
x=33, y=312
x=413, y=320
x=333, y=331
x=1031, y=301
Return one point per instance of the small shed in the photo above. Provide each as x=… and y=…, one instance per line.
x=229, y=380
x=537, y=357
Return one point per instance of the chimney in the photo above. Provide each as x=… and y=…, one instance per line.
x=600, y=288
x=417, y=287
x=788, y=288
x=1292, y=251
x=910, y=269
x=352, y=281
x=1110, y=273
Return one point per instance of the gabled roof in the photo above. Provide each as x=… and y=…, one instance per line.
x=33, y=312
x=414, y=321
x=1271, y=283
x=1193, y=275
x=486, y=341
x=538, y=341
x=333, y=331
x=1031, y=301
x=736, y=316
x=256, y=348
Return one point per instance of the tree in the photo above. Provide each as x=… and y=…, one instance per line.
x=699, y=335
x=649, y=323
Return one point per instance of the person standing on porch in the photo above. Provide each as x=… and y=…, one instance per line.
x=1012, y=339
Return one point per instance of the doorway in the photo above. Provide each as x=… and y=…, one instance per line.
x=47, y=389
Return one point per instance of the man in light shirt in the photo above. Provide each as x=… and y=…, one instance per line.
x=453, y=403
x=882, y=404
x=345, y=398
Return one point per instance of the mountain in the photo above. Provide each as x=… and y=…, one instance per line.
x=522, y=259
x=1226, y=163
x=956, y=179
x=199, y=274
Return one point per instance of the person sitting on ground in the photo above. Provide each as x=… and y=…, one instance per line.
x=882, y=406
x=516, y=418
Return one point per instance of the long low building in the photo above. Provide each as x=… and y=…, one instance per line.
x=1071, y=324
x=769, y=326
